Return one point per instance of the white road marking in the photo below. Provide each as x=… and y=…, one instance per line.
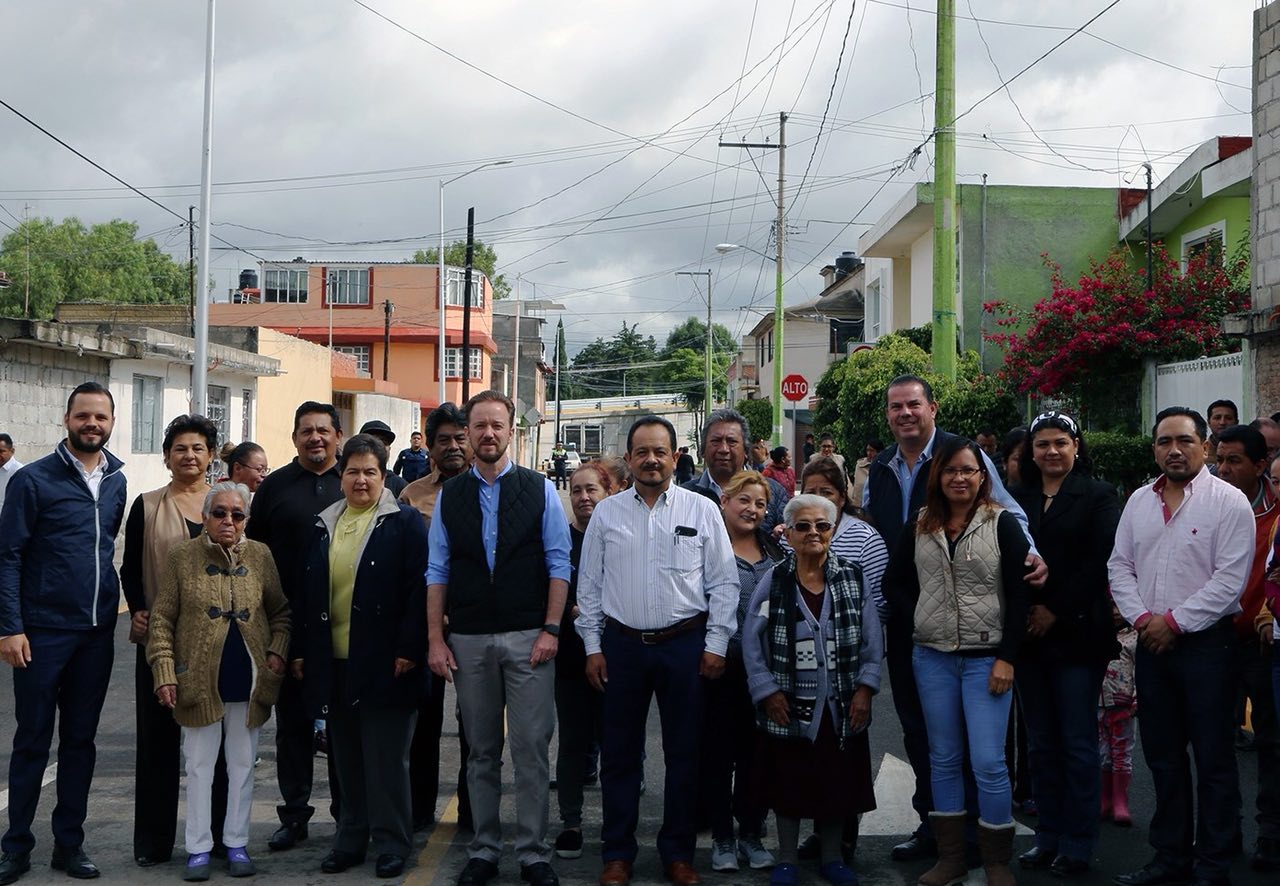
x=894, y=815
x=50, y=774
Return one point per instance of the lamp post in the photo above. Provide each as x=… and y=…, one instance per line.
x=724, y=248
x=515, y=357
x=706, y=391
x=440, y=346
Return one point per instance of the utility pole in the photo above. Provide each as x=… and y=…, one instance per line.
x=780, y=235
x=200, y=361
x=191, y=264
x=559, y=357
x=944, y=195
x=1151, y=280
x=466, y=306
x=706, y=390
x=26, y=295
x=387, y=308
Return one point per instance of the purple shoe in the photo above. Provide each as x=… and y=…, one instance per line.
x=197, y=870
x=239, y=864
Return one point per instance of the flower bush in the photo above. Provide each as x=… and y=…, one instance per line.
x=1080, y=339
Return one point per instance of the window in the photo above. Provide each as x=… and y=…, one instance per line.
x=360, y=352
x=285, y=285
x=1210, y=240
x=349, y=286
x=587, y=439
x=455, y=279
x=220, y=411
x=843, y=332
x=148, y=413
x=453, y=362
x=873, y=308
x=769, y=346
x=246, y=416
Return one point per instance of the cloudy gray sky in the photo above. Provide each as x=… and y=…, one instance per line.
x=333, y=125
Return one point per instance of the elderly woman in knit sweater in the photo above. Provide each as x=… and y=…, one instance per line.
x=219, y=635
x=811, y=644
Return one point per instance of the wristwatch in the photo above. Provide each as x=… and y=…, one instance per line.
x=552, y=629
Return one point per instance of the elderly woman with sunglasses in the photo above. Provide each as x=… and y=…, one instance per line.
x=812, y=644
x=956, y=576
x=1070, y=640
x=219, y=634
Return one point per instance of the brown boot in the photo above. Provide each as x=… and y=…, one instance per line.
x=996, y=843
x=948, y=830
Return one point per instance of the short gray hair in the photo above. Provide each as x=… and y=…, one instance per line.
x=226, y=486
x=802, y=501
x=720, y=416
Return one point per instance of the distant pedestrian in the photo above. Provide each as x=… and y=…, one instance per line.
x=759, y=454
x=59, y=596
x=386, y=436
x=8, y=464
x=809, y=448
x=1117, y=710
x=779, y=469
x=415, y=462
x=220, y=615
x=862, y=468
x=500, y=526
x=247, y=465
x=560, y=463
x=657, y=602
x=724, y=448
x=685, y=466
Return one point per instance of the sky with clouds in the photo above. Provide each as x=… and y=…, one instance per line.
x=335, y=120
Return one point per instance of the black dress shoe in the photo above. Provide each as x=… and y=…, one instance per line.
x=477, y=872
x=810, y=848
x=74, y=862
x=150, y=861
x=389, y=865
x=539, y=874
x=1154, y=874
x=1037, y=859
x=916, y=847
x=288, y=835
x=1266, y=855
x=13, y=865
x=338, y=861
x=1063, y=866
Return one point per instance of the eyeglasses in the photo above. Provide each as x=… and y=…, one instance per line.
x=804, y=526
x=965, y=472
x=222, y=514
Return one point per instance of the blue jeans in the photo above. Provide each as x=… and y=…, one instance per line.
x=957, y=704
x=1060, y=704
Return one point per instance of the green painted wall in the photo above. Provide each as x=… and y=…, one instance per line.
x=1072, y=225
x=1234, y=210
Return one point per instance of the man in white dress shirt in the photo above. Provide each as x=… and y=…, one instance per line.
x=8, y=464
x=657, y=604
x=1182, y=555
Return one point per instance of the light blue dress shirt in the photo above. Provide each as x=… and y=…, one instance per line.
x=555, y=530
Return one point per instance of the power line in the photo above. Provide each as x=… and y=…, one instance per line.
x=835, y=78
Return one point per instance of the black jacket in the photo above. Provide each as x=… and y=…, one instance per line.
x=884, y=492
x=1075, y=537
x=388, y=613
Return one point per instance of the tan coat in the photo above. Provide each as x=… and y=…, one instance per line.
x=961, y=604
x=185, y=643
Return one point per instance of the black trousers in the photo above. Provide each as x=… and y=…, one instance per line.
x=728, y=754
x=295, y=757
x=580, y=719
x=1187, y=701
x=424, y=758
x=157, y=772
x=1255, y=672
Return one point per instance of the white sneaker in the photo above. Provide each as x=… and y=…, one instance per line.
x=723, y=856
x=757, y=856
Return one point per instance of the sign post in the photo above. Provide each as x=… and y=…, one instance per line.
x=795, y=388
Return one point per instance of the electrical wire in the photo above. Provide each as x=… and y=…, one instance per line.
x=835, y=78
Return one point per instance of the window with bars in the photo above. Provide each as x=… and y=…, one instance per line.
x=284, y=285
x=348, y=286
x=148, y=413
x=453, y=362
x=455, y=278
x=359, y=352
x=220, y=411
x=246, y=416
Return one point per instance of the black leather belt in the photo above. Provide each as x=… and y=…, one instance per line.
x=662, y=635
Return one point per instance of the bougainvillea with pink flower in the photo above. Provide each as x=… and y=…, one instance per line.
x=1083, y=337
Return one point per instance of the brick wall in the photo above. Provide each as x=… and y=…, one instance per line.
x=34, y=384
x=1265, y=197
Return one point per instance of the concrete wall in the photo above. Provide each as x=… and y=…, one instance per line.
x=402, y=416
x=919, y=306
x=34, y=384
x=305, y=375
x=1265, y=347
x=1227, y=214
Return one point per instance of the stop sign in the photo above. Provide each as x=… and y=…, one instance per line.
x=795, y=388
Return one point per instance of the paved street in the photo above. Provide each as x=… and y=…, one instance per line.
x=441, y=853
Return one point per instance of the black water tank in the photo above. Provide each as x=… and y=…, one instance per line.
x=846, y=263
x=248, y=279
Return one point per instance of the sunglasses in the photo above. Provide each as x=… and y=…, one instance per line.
x=804, y=526
x=223, y=513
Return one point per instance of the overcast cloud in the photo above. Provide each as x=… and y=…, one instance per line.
x=325, y=88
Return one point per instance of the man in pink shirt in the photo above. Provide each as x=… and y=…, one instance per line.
x=1182, y=556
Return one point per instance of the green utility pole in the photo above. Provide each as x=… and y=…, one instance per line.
x=944, y=196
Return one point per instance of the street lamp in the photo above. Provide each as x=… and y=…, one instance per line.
x=724, y=248
x=440, y=281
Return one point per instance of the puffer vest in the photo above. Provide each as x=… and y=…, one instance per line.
x=961, y=605
x=513, y=597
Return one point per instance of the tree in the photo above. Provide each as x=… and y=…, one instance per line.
x=603, y=368
x=66, y=261
x=483, y=258
x=687, y=376
x=759, y=416
x=1087, y=343
x=852, y=393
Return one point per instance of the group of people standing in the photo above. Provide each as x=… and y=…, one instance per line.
x=765, y=603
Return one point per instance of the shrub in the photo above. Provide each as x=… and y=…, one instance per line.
x=759, y=416
x=1122, y=459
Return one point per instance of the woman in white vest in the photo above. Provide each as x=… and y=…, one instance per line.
x=957, y=575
